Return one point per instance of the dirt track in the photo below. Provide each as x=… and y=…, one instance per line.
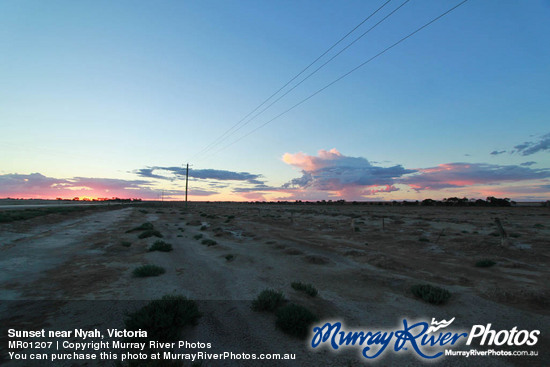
x=363, y=275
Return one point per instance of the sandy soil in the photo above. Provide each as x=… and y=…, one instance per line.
x=362, y=259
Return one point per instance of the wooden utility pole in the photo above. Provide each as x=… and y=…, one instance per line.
x=186, y=184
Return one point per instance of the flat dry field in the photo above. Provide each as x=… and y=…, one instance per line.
x=362, y=259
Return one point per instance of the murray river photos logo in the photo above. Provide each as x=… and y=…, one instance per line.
x=426, y=340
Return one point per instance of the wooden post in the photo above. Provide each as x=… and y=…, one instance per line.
x=440, y=234
x=503, y=234
x=186, y=184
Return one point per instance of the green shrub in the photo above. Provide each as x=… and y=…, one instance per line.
x=163, y=319
x=295, y=320
x=423, y=239
x=150, y=233
x=144, y=227
x=197, y=236
x=209, y=242
x=268, y=300
x=538, y=226
x=229, y=257
x=306, y=288
x=148, y=271
x=203, y=228
x=431, y=294
x=160, y=246
x=486, y=263
x=126, y=243
x=143, y=211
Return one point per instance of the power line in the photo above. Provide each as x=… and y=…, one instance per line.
x=342, y=76
x=219, y=139
x=315, y=71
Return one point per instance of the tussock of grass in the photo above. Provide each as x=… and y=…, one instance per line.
x=295, y=320
x=203, y=228
x=160, y=246
x=431, y=294
x=209, y=242
x=306, y=288
x=197, y=236
x=230, y=257
x=164, y=318
x=126, y=243
x=486, y=263
x=148, y=271
x=268, y=300
x=150, y=233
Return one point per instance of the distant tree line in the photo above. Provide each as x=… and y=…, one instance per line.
x=114, y=199
x=454, y=201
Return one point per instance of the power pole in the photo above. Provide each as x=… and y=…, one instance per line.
x=186, y=184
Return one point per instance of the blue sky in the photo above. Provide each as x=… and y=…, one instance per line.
x=96, y=94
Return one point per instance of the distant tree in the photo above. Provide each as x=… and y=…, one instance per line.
x=493, y=201
x=428, y=202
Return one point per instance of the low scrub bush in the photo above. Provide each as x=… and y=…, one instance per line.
x=126, y=243
x=150, y=233
x=164, y=318
x=486, y=263
x=160, y=246
x=431, y=294
x=306, y=288
x=295, y=320
x=229, y=257
x=268, y=300
x=197, y=236
x=144, y=227
x=148, y=271
x=209, y=242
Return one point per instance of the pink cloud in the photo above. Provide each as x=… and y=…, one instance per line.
x=455, y=175
x=351, y=178
x=36, y=185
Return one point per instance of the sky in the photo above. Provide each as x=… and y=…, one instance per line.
x=102, y=99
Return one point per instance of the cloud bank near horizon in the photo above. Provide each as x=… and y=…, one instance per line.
x=327, y=175
x=170, y=173
x=357, y=178
x=36, y=185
